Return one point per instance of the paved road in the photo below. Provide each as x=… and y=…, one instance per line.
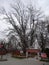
x=29, y=61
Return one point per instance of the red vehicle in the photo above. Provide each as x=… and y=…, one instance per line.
x=43, y=55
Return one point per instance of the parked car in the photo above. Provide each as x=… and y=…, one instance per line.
x=43, y=55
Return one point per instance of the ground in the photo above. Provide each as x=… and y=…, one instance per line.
x=27, y=61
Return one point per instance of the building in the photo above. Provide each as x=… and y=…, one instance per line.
x=32, y=52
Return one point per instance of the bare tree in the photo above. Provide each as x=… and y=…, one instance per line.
x=42, y=36
x=27, y=19
x=35, y=16
x=43, y=42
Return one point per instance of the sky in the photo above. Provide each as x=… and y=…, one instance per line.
x=43, y=4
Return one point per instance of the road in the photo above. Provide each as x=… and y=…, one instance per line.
x=27, y=61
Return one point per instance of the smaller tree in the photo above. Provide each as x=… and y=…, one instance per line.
x=42, y=41
x=3, y=50
x=47, y=51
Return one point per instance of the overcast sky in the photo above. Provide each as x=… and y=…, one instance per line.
x=44, y=4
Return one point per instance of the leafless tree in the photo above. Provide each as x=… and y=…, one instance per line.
x=27, y=19
x=43, y=35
